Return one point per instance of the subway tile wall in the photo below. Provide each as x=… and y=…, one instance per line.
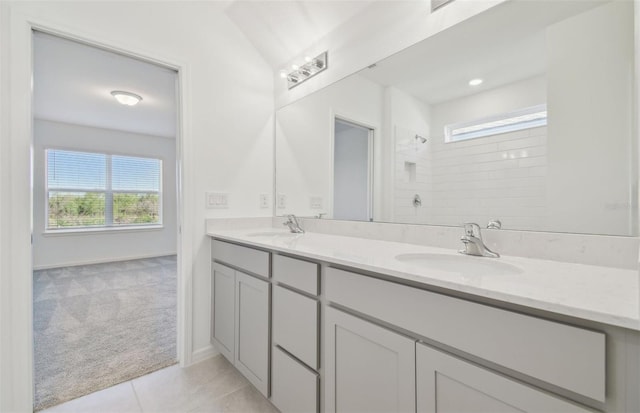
x=502, y=176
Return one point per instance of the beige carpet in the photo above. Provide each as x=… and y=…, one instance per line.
x=99, y=325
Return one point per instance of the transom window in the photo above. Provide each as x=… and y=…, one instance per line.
x=92, y=190
x=531, y=117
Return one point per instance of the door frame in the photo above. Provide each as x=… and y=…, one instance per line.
x=373, y=131
x=16, y=211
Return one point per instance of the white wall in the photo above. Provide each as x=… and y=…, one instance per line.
x=304, y=140
x=228, y=125
x=592, y=122
x=56, y=250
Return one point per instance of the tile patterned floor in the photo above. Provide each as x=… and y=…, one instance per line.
x=212, y=386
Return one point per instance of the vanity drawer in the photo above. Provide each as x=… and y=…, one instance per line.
x=248, y=259
x=295, y=325
x=562, y=355
x=299, y=274
x=294, y=388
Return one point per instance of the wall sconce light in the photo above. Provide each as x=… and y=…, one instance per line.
x=301, y=73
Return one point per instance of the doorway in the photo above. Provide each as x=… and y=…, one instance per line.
x=105, y=218
x=352, y=171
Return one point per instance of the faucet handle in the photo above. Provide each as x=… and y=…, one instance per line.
x=494, y=224
x=472, y=229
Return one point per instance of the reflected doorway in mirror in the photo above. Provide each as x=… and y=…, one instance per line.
x=352, y=171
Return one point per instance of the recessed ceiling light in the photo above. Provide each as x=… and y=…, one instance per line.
x=475, y=82
x=126, y=98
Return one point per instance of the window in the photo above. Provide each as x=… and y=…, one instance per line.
x=92, y=190
x=526, y=118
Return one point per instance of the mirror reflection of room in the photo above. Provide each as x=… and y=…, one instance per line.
x=503, y=115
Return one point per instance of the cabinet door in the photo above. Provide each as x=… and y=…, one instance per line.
x=447, y=384
x=368, y=368
x=223, y=294
x=252, y=330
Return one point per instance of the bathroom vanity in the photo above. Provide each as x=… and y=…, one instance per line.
x=326, y=323
x=533, y=124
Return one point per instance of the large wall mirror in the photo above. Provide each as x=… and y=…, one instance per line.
x=524, y=113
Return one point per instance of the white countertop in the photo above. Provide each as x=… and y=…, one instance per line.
x=602, y=294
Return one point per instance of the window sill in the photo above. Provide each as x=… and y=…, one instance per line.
x=104, y=230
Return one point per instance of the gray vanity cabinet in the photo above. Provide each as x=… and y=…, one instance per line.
x=240, y=310
x=294, y=386
x=223, y=310
x=448, y=384
x=295, y=356
x=252, y=330
x=368, y=368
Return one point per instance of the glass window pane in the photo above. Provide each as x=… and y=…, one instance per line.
x=75, y=209
x=76, y=170
x=526, y=118
x=131, y=209
x=135, y=174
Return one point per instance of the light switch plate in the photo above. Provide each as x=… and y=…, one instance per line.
x=216, y=200
x=315, y=202
x=264, y=201
x=282, y=201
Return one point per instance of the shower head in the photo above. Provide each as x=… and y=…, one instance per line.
x=421, y=139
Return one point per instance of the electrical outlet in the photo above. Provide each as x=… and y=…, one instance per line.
x=264, y=201
x=315, y=202
x=216, y=200
x=282, y=201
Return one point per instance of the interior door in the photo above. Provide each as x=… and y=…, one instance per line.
x=352, y=171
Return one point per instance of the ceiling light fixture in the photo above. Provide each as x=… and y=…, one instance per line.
x=300, y=73
x=126, y=98
x=475, y=82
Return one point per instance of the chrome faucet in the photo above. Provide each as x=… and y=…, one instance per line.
x=473, y=244
x=293, y=224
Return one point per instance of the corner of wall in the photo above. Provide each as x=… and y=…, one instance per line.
x=203, y=354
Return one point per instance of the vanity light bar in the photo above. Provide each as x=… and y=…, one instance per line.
x=308, y=70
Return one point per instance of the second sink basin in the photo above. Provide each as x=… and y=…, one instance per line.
x=460, y=264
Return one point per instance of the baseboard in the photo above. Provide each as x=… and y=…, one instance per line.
x=203, y=354
x=102, y=260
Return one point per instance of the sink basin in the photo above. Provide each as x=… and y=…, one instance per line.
x=460, y=264
x=265, y=234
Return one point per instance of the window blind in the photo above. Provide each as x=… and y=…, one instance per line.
x=87, y=189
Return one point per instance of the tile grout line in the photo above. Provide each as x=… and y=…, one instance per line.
x=224, y=395
x=135, y=394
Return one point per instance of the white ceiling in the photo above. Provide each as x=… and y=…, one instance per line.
x=72, y=83
x=503, y=45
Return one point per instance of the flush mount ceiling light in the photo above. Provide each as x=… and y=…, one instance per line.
x=475, y=82
x=126, y=98
x=300, y=73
